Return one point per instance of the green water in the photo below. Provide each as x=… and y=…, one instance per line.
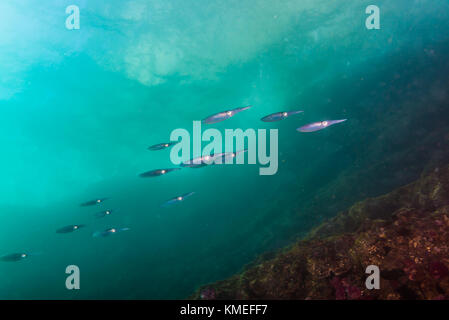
x=80, y=107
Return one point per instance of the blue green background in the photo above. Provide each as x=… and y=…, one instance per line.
x=80, y=107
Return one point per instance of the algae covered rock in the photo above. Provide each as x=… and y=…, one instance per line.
x=405, y=233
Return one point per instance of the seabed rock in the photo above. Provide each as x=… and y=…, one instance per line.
x=405, y=233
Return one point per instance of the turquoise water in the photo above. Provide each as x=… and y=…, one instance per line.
x=80, y=107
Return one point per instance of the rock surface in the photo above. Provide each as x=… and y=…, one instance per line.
x=405, y=233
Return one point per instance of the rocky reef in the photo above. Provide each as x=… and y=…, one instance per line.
x=405, y=233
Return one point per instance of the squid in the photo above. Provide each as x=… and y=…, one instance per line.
x=279, y=116
x=14, y=257
x=104, y=213
x=161, y=146
x=198, y=162
x=93, y=202
x=177, y=199
x=108, y=232
x=157, y=172
x=70, y=228
x=320, y=125
x=221, y=116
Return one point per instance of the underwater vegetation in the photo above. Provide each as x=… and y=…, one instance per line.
x=405, y=233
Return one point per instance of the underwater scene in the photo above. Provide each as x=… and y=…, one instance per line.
x=224, y=149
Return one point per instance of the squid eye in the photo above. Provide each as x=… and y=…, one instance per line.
x=163, y=171
x=75, y=227
x=23, y=255
x=285, y=114
x=166, y=144
x=324, y=123
x=229, y=113
x=99, y=200
x=179, y=198
x=113, y=230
